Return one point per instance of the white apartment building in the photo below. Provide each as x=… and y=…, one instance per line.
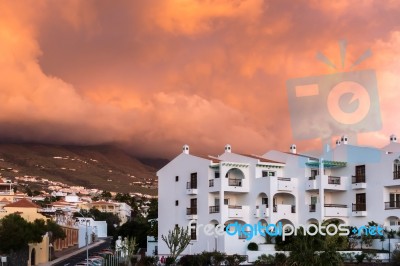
x=349, y=183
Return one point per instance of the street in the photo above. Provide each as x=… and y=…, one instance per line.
x=81, y=256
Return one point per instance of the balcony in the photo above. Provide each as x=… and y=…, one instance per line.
x=358, y=182
x=392, y=205
x=284, y=208
x=213, y=209
x=191, y=188
x=261, y=211
x=336, y=210
x=285, y=184
x=237, y=211
x=334, y=182
x=235, y=182
x=359, y=209
x=191, y=213
x=311, y=184
x=396, y=174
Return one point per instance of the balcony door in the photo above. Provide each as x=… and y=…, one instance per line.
x=360, y=202
x=360, y=170
x=394, y=200
x=193, y=180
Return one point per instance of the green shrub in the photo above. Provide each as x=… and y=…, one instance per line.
x=264, y=259
x=252, y=246
x=360, y=257
x=280, y=259
x=148, y=261
x=235, y=260
x=396, y=257
x=169, y=261
x=217, y=258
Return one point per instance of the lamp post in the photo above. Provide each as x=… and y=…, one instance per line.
x=50, y=246
x=86, y=238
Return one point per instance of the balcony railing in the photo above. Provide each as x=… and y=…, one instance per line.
x=235, y=182
x=392, y=205
x=336, y=205
x=211, y=183
x=275, y=208
x=191, y=185
x=191, y=211
x=312, y=208
x=213, y=209
x=358, y=179
x=396, y=174
x=334, y=180
x=244, y=235
x=358, y=207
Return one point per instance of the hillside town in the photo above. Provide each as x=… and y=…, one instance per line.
x=72, y=208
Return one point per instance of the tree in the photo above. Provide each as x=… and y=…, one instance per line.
x=106, y=195
x=56, y=231
x=16, y=232
x=16, y=228
x=152, y=212
x=135, y=228
x=177, y=240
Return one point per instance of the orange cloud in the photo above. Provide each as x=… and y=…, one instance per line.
x=153, y=75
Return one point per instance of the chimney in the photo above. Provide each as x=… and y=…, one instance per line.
x=185, y=149
x=344, y=139
x=393, y=138
x=228, y=148
x=338, y=142
x=293, y=149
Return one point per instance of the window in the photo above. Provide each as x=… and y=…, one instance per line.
x=360, y=202
x=176, y=202
x=394, y=200
x=314, y=173
x=264, y=201
x=193, y=180
x=176, y=178
x=216, y=175
x=396, y=169
x=313, y=200
x=268, y=173
x=226, y=201
x=394, y=222
x=193, y=235
x=360, y=170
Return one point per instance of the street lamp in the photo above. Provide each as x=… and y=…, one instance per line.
x=50, y=246
x=86, y=237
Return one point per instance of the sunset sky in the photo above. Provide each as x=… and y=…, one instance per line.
x=154, y=75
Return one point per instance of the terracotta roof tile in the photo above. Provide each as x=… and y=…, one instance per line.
x=4, y=200
x=23, y=203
